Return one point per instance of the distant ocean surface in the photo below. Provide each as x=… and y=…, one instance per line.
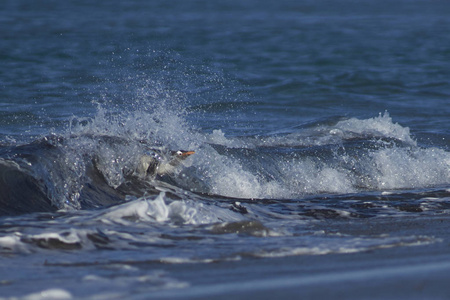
x=321, y=132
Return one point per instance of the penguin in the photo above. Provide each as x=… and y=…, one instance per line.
x=156, y=162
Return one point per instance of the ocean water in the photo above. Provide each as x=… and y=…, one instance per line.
x=322, y=149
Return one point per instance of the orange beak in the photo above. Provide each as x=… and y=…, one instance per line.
x=187, y=153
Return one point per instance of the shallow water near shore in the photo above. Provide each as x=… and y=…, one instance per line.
x=321, y=139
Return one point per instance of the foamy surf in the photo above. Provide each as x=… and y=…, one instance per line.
x=348, y=156
x=95, y=162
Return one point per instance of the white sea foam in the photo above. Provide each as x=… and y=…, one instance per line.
x=350, y=245
x=325, y=134
x=218, y=137
x=12, y=243
x=48, y=294
x=381, y=126
x=402, y=168
x=56, y=294
x=70, y=239
x=381, y=169
x=386, y=166
x=160, y=210
x=309, y=177
x=142, y=210
x=156, y=279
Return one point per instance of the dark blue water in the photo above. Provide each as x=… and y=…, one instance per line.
x=320, y=131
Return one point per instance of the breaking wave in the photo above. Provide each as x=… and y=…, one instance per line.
x=93, y=163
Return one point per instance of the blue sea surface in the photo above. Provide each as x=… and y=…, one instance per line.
x=321, y=136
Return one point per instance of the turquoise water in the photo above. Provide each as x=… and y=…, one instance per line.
x=311, y=122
